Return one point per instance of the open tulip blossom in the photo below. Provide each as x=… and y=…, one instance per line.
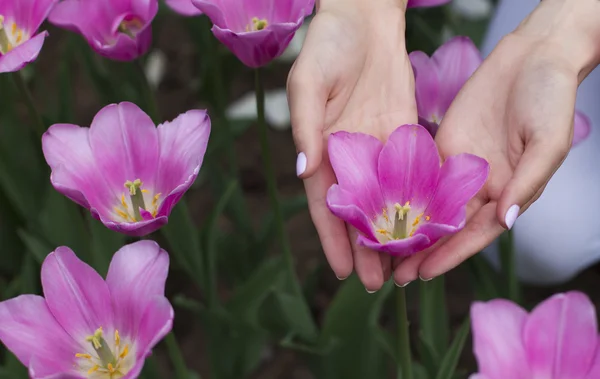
x=19, y=22
x=557, y=340
x=126, y=171
x=397, y=195
x=256, y=31
x=439, y=79
x=85, y=327
x=115, y=29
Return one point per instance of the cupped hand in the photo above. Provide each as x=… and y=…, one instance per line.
x=353, y=74
x=517, y=112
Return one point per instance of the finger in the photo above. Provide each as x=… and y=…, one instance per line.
x=408, y=270
x=332, y=231
x=367, y=264
x=479, y=232
x=307, y=97
x=539, y=162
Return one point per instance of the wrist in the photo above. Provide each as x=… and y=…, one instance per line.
x=567, y=29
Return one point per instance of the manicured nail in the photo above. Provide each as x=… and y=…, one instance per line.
x=341, y=277
x=511, y=216
x=402, y=285
x=301, y=164
x=424, y=279
x=370, y=291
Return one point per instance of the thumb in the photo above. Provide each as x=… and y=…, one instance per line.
x=539, y=162
x=307, y=97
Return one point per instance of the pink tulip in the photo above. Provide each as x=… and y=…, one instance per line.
x=86, y=327
x=183, y=7
x=426, y=3
x=19, y=22
x=397, y=195
x=126, y=171
x=115, y=29
x=256, y=31
x=557, y=340
x=439, y=79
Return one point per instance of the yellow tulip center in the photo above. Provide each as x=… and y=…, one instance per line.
x=128, y=208
x=11, y=36
x=257, y=24
x=402, y=225
x=105, y=360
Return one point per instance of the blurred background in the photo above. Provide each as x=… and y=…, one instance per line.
x=258, y=330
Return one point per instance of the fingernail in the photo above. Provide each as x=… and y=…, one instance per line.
x=300, y=164
x=370, y=291
x=511, y=216
x=424, y=279
x=341, y=277
x=402, y=285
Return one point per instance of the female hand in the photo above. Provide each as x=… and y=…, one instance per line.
x=353, y=74
x=517, y=112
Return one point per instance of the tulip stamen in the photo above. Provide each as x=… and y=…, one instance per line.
x=107, y=363
x=401, y=221
x=257, y=24
x=5, y=45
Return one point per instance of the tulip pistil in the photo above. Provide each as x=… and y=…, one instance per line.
x=137, y=198
x=401, y=221
x=130, y=26
x=257, y=24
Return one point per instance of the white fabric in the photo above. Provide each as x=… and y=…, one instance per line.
x=560, y=234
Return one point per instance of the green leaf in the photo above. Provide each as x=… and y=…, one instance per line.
x=485, y=280
x=352, y=321
x=450, y=361
x=12, y=246
x=36, y=246
x=435, y=328
x=247, y=298
x=61, y=223
x=297, y=315
x=105, y=243
x=184, y=244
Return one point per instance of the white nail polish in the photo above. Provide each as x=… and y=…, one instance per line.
x=511, y=216
x=425, y=280
x=370, y=291
x=402, y=285
x=301, y=164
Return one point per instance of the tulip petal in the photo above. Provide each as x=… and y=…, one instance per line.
x=561, y=336
x=426, y=3
x=23, y=54
x=183, y=143
x=497, y=328
x=354, y=158
x=400, y=248
x=582, y=127
x=27, y=14
x=74, y=173
x=183, y=7
x=156, y=322
x=344, y=205
x=594, y=371
x=461, y=177
x=409, y=166
x=136, y=229
x=124, y=143
x=427, y=86
x=30, y=331
x=456, y=61
x=212, y=9
x=137, y=274
x=76, y=294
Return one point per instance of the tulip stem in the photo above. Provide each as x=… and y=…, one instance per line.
x=147, y=91
x=181, y=371
x=404, y=356
x=40, y=126
x=509, y=267
x=271, y=181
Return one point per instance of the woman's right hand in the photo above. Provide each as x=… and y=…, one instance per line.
x=517, y=113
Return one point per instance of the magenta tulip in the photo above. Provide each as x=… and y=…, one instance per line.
x=115, y=29
x=557, y=340
x=183, y=7
x=397, y=195
x=86, y=327
x=426, y=3
x=439, y=79
x=20, y=43
x=256, y=31
x=127, y=172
